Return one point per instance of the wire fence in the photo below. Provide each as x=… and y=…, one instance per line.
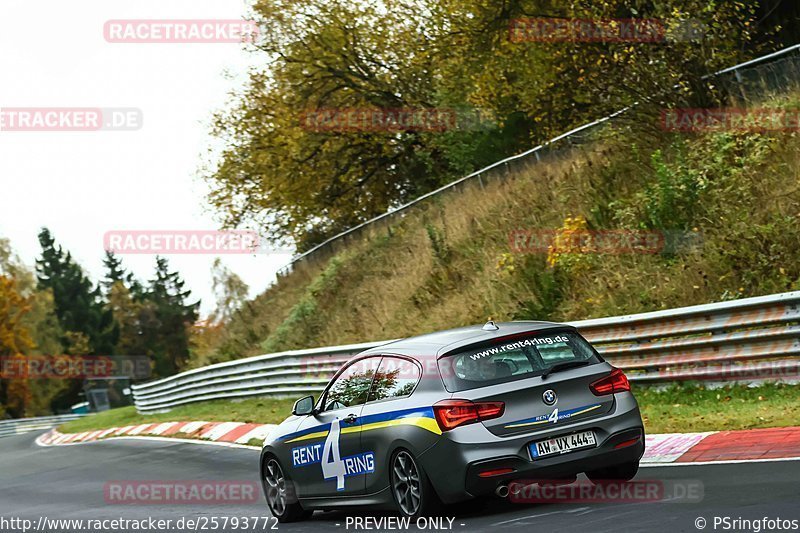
x=748, y=82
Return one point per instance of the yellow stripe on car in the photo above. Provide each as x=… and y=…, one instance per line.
x=422, y=422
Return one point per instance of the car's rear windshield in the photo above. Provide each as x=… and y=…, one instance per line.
x=513, y=360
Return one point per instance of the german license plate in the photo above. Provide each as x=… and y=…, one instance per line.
x=563, y=444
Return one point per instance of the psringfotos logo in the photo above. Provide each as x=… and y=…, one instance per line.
x=181, y=492
x=70, y=119
x=180, y=31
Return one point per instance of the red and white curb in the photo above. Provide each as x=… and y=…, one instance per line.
x=715, y=447
x=660, y=449
x=225, y=432
x=669, y=447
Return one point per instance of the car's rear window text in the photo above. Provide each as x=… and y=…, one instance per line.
x=515, y=360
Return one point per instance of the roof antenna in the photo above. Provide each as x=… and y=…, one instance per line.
x=490, y=326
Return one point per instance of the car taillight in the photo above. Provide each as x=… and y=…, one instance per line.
x=616, y=381
x=497, y=472
x=453, y=413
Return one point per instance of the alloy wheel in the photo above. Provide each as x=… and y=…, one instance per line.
x=276, y=487
x=406, y=483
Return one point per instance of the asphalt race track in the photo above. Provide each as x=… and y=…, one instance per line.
x=67, y=482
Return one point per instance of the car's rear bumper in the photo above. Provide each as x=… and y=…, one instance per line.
x=454, y=462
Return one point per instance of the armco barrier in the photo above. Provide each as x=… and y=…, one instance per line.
x=749, y=340
x=15, y=426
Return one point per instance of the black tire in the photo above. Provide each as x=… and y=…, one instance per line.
x=411, y=488
x=622, y=472
x=280, y=493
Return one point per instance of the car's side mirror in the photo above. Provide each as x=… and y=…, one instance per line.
x=303, y=406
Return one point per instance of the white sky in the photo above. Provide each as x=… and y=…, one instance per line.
x=82, y=184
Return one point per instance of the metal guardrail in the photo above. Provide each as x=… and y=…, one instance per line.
x=17, y=426
x=751, y=339
x=538, y=151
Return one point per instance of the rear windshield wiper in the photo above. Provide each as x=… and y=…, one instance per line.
x=564, y=366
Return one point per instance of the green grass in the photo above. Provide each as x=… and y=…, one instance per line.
x=676, y=409
x=691, y=408
x=257, y=410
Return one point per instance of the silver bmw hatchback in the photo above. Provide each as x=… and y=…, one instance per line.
x=454, y=415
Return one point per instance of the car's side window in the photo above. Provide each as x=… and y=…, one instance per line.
x=396, y=378
x=352, y=385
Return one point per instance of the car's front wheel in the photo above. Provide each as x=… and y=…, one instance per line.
x=280, y=495
x=623, y=472
x=411, y=488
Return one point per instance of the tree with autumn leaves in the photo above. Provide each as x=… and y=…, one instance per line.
x=15, y=341
x=58, y=311
x=305, y=184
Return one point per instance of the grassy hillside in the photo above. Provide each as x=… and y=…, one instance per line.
x=451, y=263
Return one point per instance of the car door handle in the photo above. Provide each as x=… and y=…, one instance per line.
x=350, y=419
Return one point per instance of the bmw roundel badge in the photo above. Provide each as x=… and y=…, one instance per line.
x=549, y=397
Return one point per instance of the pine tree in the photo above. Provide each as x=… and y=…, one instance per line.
x=176, y=317
x=116, y=273
x=78, y=304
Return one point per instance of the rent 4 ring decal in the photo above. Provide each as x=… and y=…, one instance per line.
x=333, y=465
x=307, y=455
x=554, y=417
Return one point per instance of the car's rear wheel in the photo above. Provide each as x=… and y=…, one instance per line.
x=411, y=488
x=623, y=472
x=279, y=492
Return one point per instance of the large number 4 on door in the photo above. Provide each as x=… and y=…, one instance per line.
x=332, y=464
